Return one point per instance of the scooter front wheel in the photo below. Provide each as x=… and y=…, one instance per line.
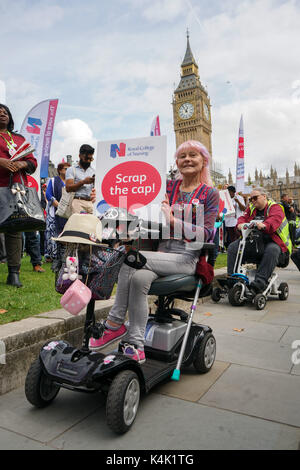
x=40, y=391
x=260, y=301
x=283, y=291
x=123, y=401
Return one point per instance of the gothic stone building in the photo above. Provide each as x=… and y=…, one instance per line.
x=276, y=186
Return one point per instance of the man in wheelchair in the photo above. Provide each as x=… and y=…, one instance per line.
x=275, y=238
x=192, y=189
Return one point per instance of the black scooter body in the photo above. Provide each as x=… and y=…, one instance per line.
x=71, y=368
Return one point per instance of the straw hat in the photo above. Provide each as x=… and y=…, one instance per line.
x=81, y=228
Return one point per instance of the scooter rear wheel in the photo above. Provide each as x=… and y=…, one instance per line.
x=234, y=296
x=123, y=401
x=206, y=354
x=40, y=391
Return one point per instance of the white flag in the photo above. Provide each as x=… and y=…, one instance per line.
x=240, y=166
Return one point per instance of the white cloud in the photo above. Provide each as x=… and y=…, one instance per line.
x=2, y=92
x=72, y=134
x=74, y=129
x=164, y=10
x=254, y=47
x=28, y=17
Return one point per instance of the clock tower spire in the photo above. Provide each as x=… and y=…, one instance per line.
x=191, y=104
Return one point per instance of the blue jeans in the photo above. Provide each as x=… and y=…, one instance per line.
x=32, y=247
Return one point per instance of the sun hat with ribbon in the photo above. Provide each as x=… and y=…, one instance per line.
x=81, y=228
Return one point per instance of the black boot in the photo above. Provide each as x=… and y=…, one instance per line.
x=257, y=286
x=13, y=276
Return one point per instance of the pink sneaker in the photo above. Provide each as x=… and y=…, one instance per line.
x=109, y=336
x=135, y=354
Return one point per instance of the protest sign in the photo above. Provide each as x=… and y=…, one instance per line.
x=132, y=174
x=226, y=202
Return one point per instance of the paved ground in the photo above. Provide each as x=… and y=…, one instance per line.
x=249, y=400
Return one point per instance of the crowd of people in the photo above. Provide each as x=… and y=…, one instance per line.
x=13, y=245
x=277, y=223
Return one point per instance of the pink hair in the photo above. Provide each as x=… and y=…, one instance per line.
x=199, y=147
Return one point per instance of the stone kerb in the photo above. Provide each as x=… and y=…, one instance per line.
x=21, y=341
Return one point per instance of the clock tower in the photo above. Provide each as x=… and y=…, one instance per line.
x=191, y=104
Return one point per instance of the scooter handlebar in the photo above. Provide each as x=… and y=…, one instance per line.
x=251, y=224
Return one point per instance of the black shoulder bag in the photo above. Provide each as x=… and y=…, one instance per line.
x=20, y=208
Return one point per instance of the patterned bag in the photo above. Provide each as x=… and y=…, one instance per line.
x=99, y=268
x=104, y=270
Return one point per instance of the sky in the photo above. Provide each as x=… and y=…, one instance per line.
x=114, y=66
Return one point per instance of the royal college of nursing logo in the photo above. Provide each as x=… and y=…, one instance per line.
x=119, y=150
x=34, y=125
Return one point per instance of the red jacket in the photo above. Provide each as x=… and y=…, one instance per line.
x=4, y=174
x=272, y=222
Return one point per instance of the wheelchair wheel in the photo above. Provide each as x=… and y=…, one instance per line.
x=260, y=301
x=39, y=389
x=283, y=291
x=216, y=294
x=206, y=354
x=123, y=401
x=234, y=296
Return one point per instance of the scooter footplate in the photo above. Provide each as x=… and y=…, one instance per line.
x=155, y=372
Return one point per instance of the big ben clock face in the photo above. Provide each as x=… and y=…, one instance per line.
x=186, y=111
x=206, y=111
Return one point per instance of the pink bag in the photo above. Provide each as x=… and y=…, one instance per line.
x=76, y=297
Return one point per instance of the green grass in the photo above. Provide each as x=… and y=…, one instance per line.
x=221, y=261
x=37, y=295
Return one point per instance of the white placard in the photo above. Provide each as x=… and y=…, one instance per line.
x=227, y=201
x=131, y=173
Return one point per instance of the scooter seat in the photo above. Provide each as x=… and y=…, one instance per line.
x=174, y=283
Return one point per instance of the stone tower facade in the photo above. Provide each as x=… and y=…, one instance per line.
x=191, y=104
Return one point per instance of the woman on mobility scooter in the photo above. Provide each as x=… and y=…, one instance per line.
x=194, y=189
x=271, y=221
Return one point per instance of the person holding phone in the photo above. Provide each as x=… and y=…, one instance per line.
x=80, y=180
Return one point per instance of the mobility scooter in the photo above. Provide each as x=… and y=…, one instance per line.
x=172, y=341
x=237, y=285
